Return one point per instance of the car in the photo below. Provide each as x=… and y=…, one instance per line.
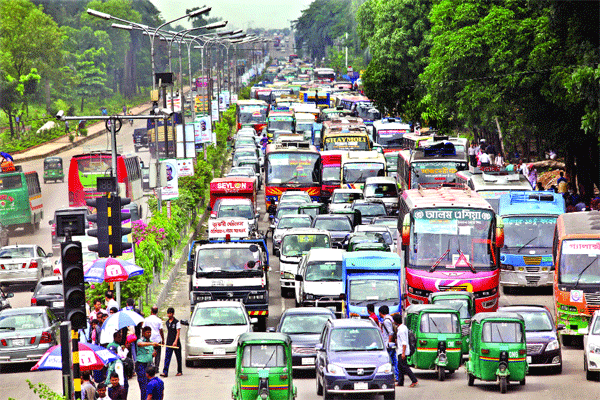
x=319, y=279
x=27, y=333
x=140, y=138
x=295, y=194
x=352, y=359
x=591, y=347
x=49, y=292
x=541, y=336
x=24, y=264
x=343, y=198
x=304, y=326
x=288, y=222
x=4, y=303
x=339, y=225
x=88, y=255
x=367, y=241
x=246, y=172
x=383, y=188
x=214, y=329
x=238, y=208
x=369, y=209
x=385, y=232
x=244, y=152
x=390, y=222
x=279, y=213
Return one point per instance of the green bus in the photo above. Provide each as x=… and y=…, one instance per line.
x=21, y=200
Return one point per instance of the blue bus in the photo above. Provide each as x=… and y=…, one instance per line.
x=529, y=222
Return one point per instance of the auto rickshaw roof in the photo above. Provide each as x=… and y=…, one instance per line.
x=453, y=294
x=264, y=337
x=53, y=159
x=418, y=308
x=480, y=317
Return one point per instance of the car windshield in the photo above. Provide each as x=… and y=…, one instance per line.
x=219, y=316
x=345, y=197
x=439, y=323
x=355, y=339
x=502, y=332
x=462, y=305
x=333, y=224
x=263, y=355
x=381, y=190
x=370, y=209
x=304, y=324
x=225, y=259
x=323, y=271
x=385, y=233
x=362, y=291
x=244, y=153
x=293, y=222
x=17, y=252
x=529, y=231
x=21, y=322
x=286, y=211
x=392, y=223
x=537, y=321
x=235, y=210
x=55, y=289
x=296, y=245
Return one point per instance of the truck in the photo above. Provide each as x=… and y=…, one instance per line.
x=222, y=270
x=371, y=277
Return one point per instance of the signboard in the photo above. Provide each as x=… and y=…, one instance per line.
x=171, y=190
x=232, y=187
x=223, y=101
x=234, y=98
x=202, y=130
x=185, y=167
x=214, y=107
x=589, y=247
x=235, y=227
x=190, y=140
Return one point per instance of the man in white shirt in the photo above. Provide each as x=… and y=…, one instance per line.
x=110, y=301
x=157, y=335
x=484, y=159
x=403, y=353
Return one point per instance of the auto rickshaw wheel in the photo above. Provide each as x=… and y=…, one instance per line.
x=522, y=382
x=503, y=384
x=470, y=379
x=319, y=387
x=441, y=373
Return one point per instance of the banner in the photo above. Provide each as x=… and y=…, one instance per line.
x=185, y=166
x=202, y=130
x=190, y=140
x=235, y=227
x=214, y=110
x=171, y=190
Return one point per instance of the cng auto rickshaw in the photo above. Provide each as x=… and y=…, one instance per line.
x=464, y=302
x=312, y=209
x=53, y=169
x=439, y=338
x=263, y=367
x=497, y=349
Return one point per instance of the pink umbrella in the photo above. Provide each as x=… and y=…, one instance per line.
x=110, y=270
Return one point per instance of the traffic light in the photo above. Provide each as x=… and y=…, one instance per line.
x=101, y=230
x=116, y=230
x=73, y=287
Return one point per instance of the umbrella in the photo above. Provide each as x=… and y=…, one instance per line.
x=117, y=321
x=110, y=270
x=91, y=357
x=6, y=156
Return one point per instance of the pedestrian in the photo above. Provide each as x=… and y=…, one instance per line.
x=144, y=354
x=124, y=109
x=66, y=126
x=484, y=159
x=130, y=306
x=95, y=331
x=372, y=315
x=110, y=300
x=173, y=335
x=88, y=391
x=404, y=350
x=97, y=309
x=113, y=310
x=562, y=183
x=491, y=151
x=499, y=161
x=116, y=391
x=389, y=337
x=101, y=391
x=473, y=154
x=532, y=176
x=156, y=387
x=157, y=335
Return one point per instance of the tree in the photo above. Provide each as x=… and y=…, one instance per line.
x=91, y=75
x=12, y=92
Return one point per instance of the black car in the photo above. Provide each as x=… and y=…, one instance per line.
x=543, y=346
x=49, y=292
x=369, y=209
x=338, y=225
x=140, y=138
x=304, y=326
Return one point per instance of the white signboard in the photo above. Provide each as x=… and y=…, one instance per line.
x=171, y=190
x=203, y=130
x=185, y=167
x=234, y=98
x=235, y=227
x=214, y=110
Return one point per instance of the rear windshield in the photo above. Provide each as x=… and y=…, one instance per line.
x=17, y=252
x=10, y=182
x=51, y=289
x=21, y=322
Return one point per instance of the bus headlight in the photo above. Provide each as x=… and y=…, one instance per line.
x=507, y=267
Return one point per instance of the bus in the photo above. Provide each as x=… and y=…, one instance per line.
x=264, y=94
x=280, y=121
x=357, y=166
x=414, y=140
x=451, y=240
x=332, y=160
x=21, y=200
x=85, y=168
x=493, y=182
x=576, y=255
x=431, y=166
x=324, y=75
x=347, y=138
x=529, y=221
x=292, y=165
x=389, y=132
x=252, y=113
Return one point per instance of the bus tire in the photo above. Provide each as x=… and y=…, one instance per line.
x=37, y=225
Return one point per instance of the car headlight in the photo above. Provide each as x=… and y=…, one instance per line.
x=385, y=369
x=553, y=345
x=308, y=296
x=594, y=349
x=335, y=370
x=195, y=341
x=288, y=275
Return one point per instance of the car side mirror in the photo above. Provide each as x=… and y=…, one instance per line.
x=560, y=327
x=208, y=208
x=299, y=278
x=190, y=267
x=10, y=295
x=32, y=289
x=254, y=320
x=271, y=329
x=319, y=347
x=185, y=322
x=51, y=222
x=49, y=255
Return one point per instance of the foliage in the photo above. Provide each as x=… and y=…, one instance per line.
x=44, y=392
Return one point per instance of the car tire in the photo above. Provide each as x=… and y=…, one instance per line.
x=522, y=382
x=190, y=363
x=319, y=387
x=557, y=370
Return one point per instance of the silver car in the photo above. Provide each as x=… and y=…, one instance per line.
x=24, y=264
x=213, y=330
x=27, y=333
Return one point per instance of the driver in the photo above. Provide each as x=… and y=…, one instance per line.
x=292, y=246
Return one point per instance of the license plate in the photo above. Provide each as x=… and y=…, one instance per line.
x=528, y=359
x=18, y=342
x=308, y=361
x=361, y=386
x=219, y=352
x=58, y=304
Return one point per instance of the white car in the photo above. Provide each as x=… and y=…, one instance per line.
x=214, y=329
x=591, y=347
x=24, y=264
x=319, y=279
x=343, y=198
x=384, y=230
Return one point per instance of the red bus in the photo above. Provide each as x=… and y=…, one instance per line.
x=292, y=165
x=451, y=240
x=332, y=161
x=85, y=168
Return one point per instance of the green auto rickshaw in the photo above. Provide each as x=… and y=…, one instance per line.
x=263, y=367
x=497, y=349
x=464, y=302
x=53, y=169
x=439, y=338
x=312, y=209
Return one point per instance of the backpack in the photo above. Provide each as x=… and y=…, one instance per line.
x=412, y=342
x=394, y=333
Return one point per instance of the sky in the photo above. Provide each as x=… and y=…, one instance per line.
x=241, y=14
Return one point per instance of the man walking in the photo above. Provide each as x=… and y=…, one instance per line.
x=157, y=336
x=389, y=336
x=156, y=387
x=143, y=359
x=404, y=350
x=173, y=333
x=110, y=300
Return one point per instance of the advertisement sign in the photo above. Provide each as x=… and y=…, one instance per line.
x=214, y=107
x=223, y=101
x=235, y=227
x=234, y=98
x=202, y=130
x=171, y=190
x=185, y=166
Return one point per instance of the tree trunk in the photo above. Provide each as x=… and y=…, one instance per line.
x=10, y=123
x=47, y=94
x=82, y=98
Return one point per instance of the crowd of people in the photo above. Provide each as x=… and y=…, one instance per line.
x=137, y=349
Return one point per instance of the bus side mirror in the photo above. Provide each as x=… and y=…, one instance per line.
x=406, y=231
x=499, y=232
x=190, y=267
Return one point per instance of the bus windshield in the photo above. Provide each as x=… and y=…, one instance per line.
x=350, y=142
x=390, y=138
x=281, y=124
x=292, y=168
x=297, y=245
x=452, y=238
x=365, y=291
x=360, y=171
x=434, y=172
x=580, y=262
x=331, y=174
x=528, y=231
x=252, y=115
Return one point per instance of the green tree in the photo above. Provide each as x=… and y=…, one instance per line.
x=13, y=92
x=91, y=75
